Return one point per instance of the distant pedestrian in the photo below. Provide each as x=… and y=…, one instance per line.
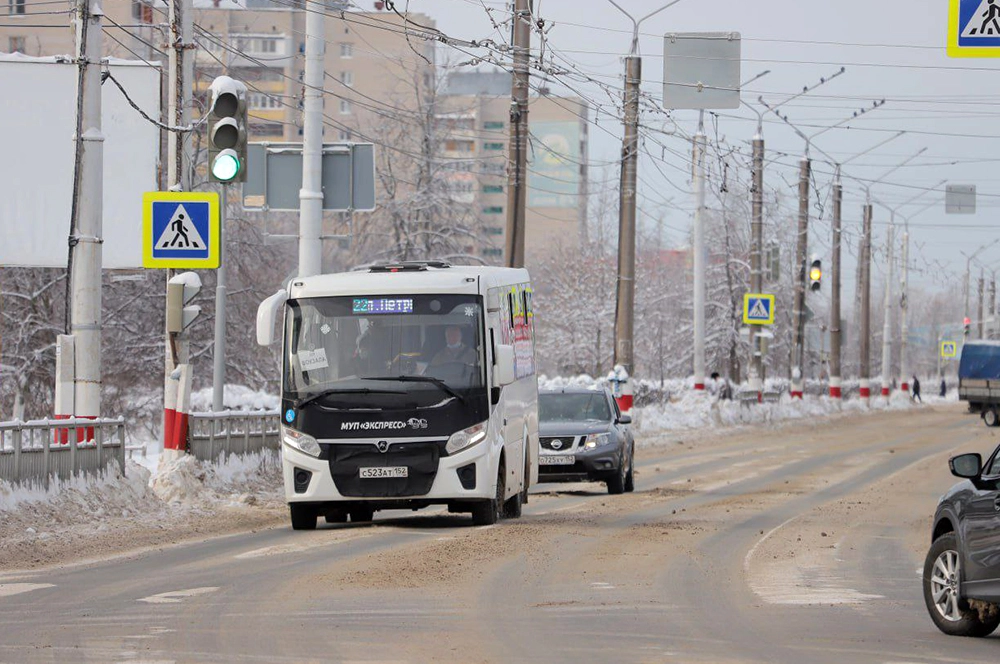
x=915, y=396
x=944, y=388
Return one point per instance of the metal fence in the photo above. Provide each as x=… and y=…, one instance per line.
x=35, y=451
x=211, y=435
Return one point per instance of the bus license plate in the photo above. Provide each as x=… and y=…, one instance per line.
x=560, y=460
x=383, y=472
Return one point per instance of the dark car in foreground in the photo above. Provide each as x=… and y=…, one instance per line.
x=962, y=569
x=584, y=438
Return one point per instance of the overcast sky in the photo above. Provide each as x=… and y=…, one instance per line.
x=892, y=49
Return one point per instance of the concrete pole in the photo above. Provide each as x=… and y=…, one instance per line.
x=625, y=302
x=219, y=349
x=85, y=307
x=517, y=155
x=864, y=339
x=756, y=261
x=835, y=280
x=887, y=323
x=700, y=146
x=311, y=193
x=798, y=311
x=904, y=309
x=992, y=304
x=979, y=317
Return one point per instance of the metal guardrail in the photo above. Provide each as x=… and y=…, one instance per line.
x=37, y=450
x=232, y=432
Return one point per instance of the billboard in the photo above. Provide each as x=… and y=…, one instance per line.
x=36, y=173
x=554, y=165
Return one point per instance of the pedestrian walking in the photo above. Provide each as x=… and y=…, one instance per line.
x=915, y=396
x=944, y=388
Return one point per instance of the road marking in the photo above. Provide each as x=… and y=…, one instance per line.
x=295, y=547
x=8, y=589
x=177, y=596
x=601, y=585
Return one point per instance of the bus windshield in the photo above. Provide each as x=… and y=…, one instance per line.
x=383, y=352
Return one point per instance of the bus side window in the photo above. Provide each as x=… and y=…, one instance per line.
x=510, y=309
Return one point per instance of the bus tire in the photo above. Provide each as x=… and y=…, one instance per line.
x=361, y=514
x=489, y=512
x=303, y=516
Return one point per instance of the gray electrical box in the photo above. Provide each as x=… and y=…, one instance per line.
x=274, y=176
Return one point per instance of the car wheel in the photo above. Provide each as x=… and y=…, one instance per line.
x=361, y=514
x=990, y=417
x=488, y=512
x=616, y=484
x=630, y=478
x=942, y=585
x=303, y=516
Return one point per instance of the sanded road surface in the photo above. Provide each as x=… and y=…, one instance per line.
x=798, y=543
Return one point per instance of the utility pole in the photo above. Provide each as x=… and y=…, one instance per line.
x=864, y=365
x=799, y=305
x=86, y=235
x=517, y=154
x=219, y=348
x=992, y=302
x=904, y=307
x=980, y=299
x=311, y=193
x=835, y=279
x=625, y=302
x=887, y=323
x=699, y=262
x=756, y=382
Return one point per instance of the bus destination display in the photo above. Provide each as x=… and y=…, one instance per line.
x=383, y=305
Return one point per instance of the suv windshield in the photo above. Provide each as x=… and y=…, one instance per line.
x=376, y=353
x=578, y=407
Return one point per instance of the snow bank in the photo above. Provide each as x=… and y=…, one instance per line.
x=247, y=479
x=235, y=397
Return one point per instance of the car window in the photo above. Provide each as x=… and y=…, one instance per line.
x=578, y=407
x=993, y=467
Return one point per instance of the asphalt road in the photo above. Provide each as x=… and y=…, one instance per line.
x=793, y=544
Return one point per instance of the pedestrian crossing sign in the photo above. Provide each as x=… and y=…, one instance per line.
x=180, y=230
x=949, y=349
x=758, y=309
x=974, y=29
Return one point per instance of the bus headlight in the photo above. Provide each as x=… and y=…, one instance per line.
x=302, y=442
x=596, y=440
x=466, y=438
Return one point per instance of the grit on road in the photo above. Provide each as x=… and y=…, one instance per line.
x=798, y=543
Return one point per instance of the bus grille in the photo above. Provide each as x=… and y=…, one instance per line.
x=420, y=458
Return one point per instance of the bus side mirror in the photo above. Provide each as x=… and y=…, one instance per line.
x=503, y=366
x=267, y=316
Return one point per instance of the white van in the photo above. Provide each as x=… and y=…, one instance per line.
x=406, y=385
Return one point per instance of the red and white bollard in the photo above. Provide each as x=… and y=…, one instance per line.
x=180, y=429
x=835, y=388
x=796, y=389
x=170, y=408
x=865, y=390
x=64, y=386
x=621, y=388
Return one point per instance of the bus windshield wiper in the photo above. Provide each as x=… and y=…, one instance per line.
x=440, y=384
x=326, y=393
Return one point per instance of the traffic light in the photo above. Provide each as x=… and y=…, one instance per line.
x=815, y=274
x=227, y=131
x=181, y=289
x=967, y=323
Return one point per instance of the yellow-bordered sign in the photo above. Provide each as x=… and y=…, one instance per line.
x=180, y=229
x=974, y=29
x=758, y=309
x=949, y=349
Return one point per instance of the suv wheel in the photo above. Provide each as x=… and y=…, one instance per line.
x=616, y=484
x=942, y=588
x=630, y=478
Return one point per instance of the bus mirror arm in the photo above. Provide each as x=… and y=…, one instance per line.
x=267, y=316
x=503, y=366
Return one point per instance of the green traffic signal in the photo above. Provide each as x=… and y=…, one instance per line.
x=226, y=166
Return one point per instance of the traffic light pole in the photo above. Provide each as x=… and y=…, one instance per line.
x=887, y=323
x=864, y=339
x=219, y=349
x=311, y=193
x=798, y=311
x=86, y=235
x=835, y=279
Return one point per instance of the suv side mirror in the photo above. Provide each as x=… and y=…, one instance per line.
x=624, y=419
x=967, y=466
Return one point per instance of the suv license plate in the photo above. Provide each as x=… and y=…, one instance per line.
x=382, y=472
x=557, y=460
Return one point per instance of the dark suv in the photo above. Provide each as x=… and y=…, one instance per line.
x=584, y=437
x=962, y=569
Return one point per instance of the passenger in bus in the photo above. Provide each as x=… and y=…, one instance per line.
x=456, y=350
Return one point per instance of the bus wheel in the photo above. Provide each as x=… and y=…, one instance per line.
x=488, y=512
x=303, y=516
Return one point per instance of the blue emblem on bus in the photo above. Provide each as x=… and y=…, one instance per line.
x=289, y=415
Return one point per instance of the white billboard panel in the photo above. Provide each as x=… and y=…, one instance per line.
x=36, y=173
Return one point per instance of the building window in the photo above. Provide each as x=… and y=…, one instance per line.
x=346, y=50
x=493, y=146
x=494, y=230
x=345, y=135
x=347, y=78
x=492, y=252
x=493, y=124
x=17, y=45
x=493, y=209
x=458, y=146
x=260, y=101
x=15, y=6
x=345, y=107
x=492, y=188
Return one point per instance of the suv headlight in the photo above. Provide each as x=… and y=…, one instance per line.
x=466, y=438
x=302, y=442
x=596, y=440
